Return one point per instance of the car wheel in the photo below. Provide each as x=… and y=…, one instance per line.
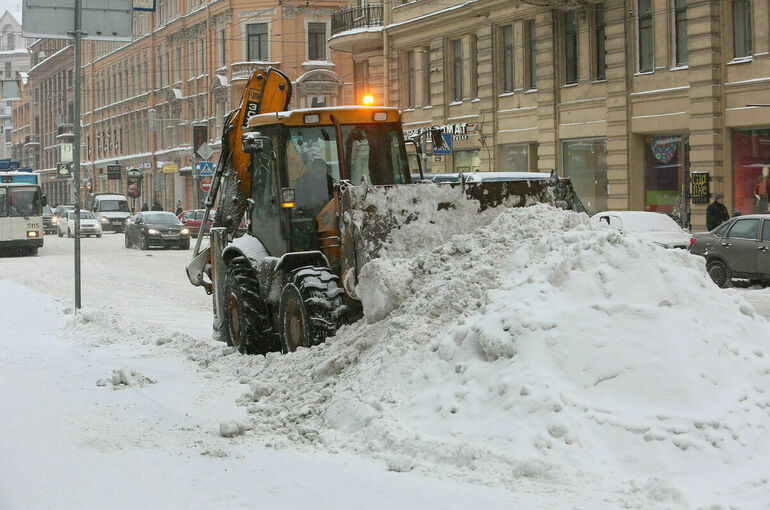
x=69, y=232
x=143, y=243
x=98, y=235
x=719, y=273
x=58, y=232
x=246, y=323
x=126, y=241
x=185, y=245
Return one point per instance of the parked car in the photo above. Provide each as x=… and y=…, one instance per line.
x=193, y=218
x=89, y=226
x=738, y=248
x=652, y=226
x=48, y=226
x=61, y=210
x=156, y=228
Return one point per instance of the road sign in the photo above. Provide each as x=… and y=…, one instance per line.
x=206, y=184
x=205, y=168
x=102, y=20
x=447, y=149
x=205, y=151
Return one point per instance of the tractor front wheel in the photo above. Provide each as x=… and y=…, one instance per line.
x=311, y=308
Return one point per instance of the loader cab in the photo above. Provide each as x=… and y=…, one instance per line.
x=299, y=157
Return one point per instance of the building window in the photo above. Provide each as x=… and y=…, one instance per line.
x=751, y=170
x=517, y=157
x=601, y=39
x=585, y=163
x=475, y=66
x=316, y=41
x=457, y=69
x=426, y=76
x=666, y=163
x=466, y=161
x=570, y=47
x=410, y=82
x=201, y=55
x=680, y=32
x=8, y=71
x=362, y=79
x=645, y=35
x=178, y=64
x=257, y=41
x=531, y=53
x=508, y=58
x=222, y=48
x=742, y=28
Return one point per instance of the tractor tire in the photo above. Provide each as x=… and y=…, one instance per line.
x=312, y=308
x=719, y=273
x=246, y=323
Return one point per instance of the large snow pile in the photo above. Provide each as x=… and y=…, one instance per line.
x=544, y=354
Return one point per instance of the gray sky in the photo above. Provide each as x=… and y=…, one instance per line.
x=11, y=5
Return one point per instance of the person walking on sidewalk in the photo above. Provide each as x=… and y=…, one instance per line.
x=716, y=212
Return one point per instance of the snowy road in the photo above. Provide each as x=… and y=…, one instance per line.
x=68, y=443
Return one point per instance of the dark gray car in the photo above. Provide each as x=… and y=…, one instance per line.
x=739, y=248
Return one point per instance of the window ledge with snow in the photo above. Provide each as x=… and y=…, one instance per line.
x=741, y=60
x=455, y=103
x=682, y=67
x=317, y=63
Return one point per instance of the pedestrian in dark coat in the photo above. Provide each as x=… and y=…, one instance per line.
x=144, y=207
x=156, y=206
x=716, y=212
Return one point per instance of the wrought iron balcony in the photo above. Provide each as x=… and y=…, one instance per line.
x=363, y=16
x=31, y=140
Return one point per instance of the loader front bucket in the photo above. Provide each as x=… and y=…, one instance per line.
x=370, y=215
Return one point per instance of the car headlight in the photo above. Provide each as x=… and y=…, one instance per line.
x=103, y=219
x=54, y=220
x=153, y=232
x=184, y=231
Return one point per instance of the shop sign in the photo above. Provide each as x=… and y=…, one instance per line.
x=63, y=170
x=134, y=180
x=170, y=168
x=457, y=131
x=700, y=187
x=113, y=172
x=66, y=153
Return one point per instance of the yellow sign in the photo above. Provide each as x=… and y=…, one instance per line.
x=170, y=168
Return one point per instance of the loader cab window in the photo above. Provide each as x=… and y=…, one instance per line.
x=265, y=190
x=311, y=156
x=375, y=151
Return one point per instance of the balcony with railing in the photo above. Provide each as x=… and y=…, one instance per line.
x=241, y=71
x=358, y=28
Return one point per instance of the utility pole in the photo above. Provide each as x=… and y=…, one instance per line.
x=76, y=153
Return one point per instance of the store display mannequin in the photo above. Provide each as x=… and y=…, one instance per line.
x=761, y=190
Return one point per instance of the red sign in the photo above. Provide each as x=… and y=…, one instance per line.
x=206, y=184
x=200, y=136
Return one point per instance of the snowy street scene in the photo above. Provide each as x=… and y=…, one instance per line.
x=535, y=361
x=353, y=254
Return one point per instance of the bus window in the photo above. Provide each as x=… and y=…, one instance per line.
x=3, y=201
x=24, y=202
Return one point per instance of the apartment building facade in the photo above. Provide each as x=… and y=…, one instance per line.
x=187, y=66
x=14, y=58
x=628, y=98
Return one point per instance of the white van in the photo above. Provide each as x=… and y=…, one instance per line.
x=111, y=210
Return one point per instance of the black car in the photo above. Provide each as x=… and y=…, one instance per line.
x=156, y=228
x=739, y=248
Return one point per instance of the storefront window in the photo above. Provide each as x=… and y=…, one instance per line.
x=466, y=161
x=666, y=161
x=585, y=163
x=751, y=170
x=513, y=157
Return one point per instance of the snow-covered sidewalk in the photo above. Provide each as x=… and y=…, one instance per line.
x=70, y=443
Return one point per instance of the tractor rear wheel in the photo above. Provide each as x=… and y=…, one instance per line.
x=245, y=315
x=312, y=308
